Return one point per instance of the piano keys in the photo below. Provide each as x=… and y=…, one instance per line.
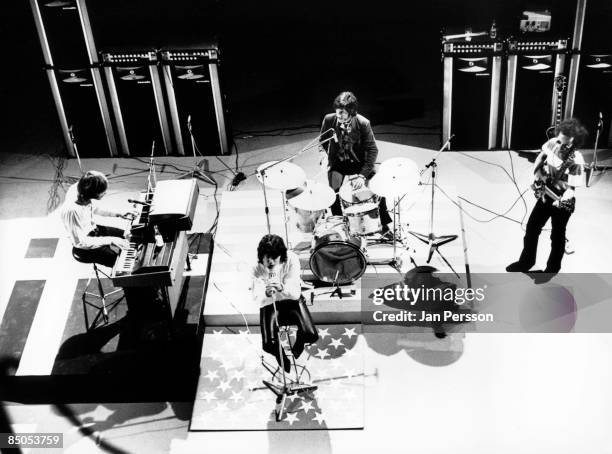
x=170, y=209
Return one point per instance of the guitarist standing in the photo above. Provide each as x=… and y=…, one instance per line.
x=558, y=170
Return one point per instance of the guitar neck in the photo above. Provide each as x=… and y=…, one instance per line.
x=550, y=193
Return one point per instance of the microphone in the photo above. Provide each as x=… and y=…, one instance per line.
x=335, y=136
x=139, y=202
x=189, y=122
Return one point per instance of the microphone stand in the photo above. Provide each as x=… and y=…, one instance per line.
x=593, y=166
x=431, y=239
x=196, y=172
x=262, y=173
x=74, y=147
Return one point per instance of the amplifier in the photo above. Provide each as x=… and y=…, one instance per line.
x=531, y=92
x=472, y=81
x=137, y=101
x=191, y=78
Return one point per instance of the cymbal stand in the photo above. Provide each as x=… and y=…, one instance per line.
x=262, y=173
x=431, y=239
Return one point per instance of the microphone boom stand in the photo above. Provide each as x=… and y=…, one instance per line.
x=431, y=239
x=262, y=173
x=196, y=172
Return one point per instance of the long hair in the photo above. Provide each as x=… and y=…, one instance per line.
x=272, y=246
x=571, y=127
x=348, y=101
x=91, y=185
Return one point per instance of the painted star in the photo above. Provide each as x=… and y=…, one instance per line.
x=212, y=375
x=324, y=332
x=237, y=375
x=318, y=417
x=251, y=385
x=292, y=397
x=244, y=333
x=336, y=343
x=217, y=333
x=349, y=333
x=223, y=385
x=291, y=418
x=208, y=396
x=322, y=353
x=236, y=397
x=306, y=405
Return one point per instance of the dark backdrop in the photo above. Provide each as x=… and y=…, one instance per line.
x=282, y=61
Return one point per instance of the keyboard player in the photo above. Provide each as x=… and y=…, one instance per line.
x=97, y=243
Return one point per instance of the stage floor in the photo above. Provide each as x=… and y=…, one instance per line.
x=544, y=393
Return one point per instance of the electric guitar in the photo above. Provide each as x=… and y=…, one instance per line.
x=545, y=186
x=560, y=82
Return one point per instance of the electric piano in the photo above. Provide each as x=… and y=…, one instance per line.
x=158, y=249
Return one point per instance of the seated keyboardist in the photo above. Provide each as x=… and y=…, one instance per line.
x=96, y=243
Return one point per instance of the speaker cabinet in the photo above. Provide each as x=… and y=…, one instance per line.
x=594, y=96
x=138, y=102
x=472, y=76
x=76, y=84
x=531, y=91
x=195, y=101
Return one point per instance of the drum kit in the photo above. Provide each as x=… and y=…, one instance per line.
x=338, y=252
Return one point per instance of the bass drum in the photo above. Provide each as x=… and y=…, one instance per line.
x=337, y=257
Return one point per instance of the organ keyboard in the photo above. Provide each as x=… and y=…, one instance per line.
x=158, y=249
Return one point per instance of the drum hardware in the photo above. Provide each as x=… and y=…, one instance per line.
x=337, y=257
x=396, y=178
x=283, y=175
x=360, y=206
x=309, y=204
x=435, y=241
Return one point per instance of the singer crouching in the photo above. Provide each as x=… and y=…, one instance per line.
x=276, y=282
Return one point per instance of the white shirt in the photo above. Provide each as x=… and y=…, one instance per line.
x=78, y=221
x=287, y=273
x=573, y=175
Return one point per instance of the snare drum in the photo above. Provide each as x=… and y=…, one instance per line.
x=361, y=209
x=363, y=219
x=306, y=220
x=336, y=256
x=350, y=196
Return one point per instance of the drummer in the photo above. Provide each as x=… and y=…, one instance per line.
x=353, y=151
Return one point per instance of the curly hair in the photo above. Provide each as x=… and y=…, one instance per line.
x=348, y=101
x=571, y=127
x=272, y=246
x=91, y=185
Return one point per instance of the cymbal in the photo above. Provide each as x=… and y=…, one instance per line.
x=314, y=197
x=132, y=77
x=395, y=177
x=74, y=79
x=283, y=176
